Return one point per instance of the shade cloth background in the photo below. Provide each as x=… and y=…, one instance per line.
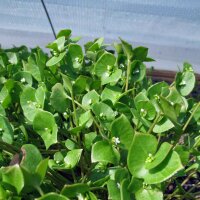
x=170, y=29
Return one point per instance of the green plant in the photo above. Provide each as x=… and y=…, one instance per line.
x=93, y=126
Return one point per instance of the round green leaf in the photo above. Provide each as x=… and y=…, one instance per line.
x=65, y=32
x=6, y=130
x=3, y=193
x=138, y=71
x=113, y=190
x=75, y=189
x=90, y=98
x=58, y=44
x=165, y=170
x=112, y=77
x=5, y=94
x=72, y=158
x=40, y=95
x=103, y=111
x=160, y=155
x=163, y=125
x=13, y=176
x=44, y=124
x=31, y=157
x=142, y=146
x=55, y=59
x=29, y=103
x=142, y=96
x=146, y=110
x=105, y=69
x=96, y=45
x=75, y=56
x=185, y=82
x=122, y=129
x=58, y=98
x=156, y=89
x=111, y=93
x=148, y=194
x=23, y=77
x=89, y=139
x=140, y=53
x=82, y=83
x=102, y=151
x=85, y=119
x=32, y=67
x=2, y=111
x=52, y=196
x=124, y=193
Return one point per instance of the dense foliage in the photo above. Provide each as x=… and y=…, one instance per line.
x=91, y=125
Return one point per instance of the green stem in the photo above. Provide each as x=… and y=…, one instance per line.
x=38, y=188
x=128, y=73
x=154, y=123
x=59, y=177
x=124, y=93
x=9, y=148
x=96, y=123
x=190, y=118
x=76, y=102
x=74, y=108
x=74, y=176
x=53, y=74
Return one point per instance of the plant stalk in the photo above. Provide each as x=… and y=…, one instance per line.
x=128, y=73
x=190, y=118
x=154, y=123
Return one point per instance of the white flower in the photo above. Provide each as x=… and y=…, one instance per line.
x=1, y=129
x=46, y=129
x=101, y=115
x=182, y=83
x=142, y=110
x=115, y=140
x=90, y=101
x=109, y=67
x=76, y=59
x=23, y=80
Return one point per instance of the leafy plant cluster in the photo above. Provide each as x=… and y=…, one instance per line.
x=90, y=125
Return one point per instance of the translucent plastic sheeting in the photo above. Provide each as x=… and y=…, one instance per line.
x=171, y=29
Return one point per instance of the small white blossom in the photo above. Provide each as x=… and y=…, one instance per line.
x=137, y=71
x=109, y=67
x=64, y=113
x=142, y=110
x=46, y=129
x=23, y=80
x=90, y=101
x=116, y=113
x=121, y=65
x=1, y=129
x=76, y=59
x=106, y=74
x=182, y=83
x=115, y=140
x=118, y=185
x=101, y=115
